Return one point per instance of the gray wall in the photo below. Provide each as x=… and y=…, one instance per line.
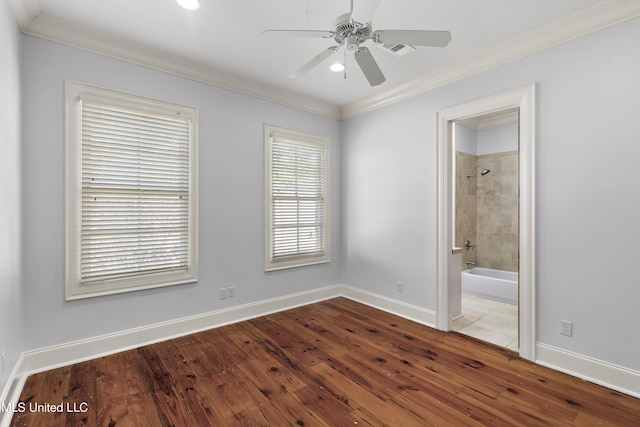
x=390, y=204
x=231, y=211
x=588, y=201
x=10, y=188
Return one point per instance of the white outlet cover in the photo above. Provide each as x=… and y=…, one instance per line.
x=566, y=328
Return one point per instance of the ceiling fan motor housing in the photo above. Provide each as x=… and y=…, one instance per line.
x=350, y=33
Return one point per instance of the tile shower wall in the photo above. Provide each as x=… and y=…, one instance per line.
x=466, y=204
x=487, y=209
x=497, y=212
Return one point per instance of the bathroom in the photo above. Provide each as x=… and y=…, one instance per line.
x=486, y=226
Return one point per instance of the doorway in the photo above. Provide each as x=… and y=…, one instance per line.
x=448, y=285
x=485, y=226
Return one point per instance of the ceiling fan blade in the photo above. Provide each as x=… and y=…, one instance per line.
x=298, y=34
x=413, y=37
x=314, y=62
x=363, y=10
x=369, y=67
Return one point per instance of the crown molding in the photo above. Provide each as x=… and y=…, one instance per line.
x=26, y=11
x=82, y=37
x=596, y=18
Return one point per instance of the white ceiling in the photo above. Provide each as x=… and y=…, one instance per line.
x=225, y=35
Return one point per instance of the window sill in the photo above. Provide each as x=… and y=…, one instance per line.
x=284, y=265
x=75, y=292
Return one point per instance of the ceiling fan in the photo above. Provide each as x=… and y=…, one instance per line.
x=354, y=28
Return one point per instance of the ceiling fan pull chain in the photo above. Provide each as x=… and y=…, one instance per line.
x=345, y=63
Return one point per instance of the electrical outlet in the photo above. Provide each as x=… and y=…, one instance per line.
x=223, y=293
x=566, y=328
x=231, y=292
x=400, y=287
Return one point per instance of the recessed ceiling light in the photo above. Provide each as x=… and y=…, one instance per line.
x=189, y=4
x=337, y=67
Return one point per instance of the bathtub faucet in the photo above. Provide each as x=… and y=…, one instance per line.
x=470, y=263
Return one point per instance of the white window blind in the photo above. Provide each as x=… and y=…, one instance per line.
x=136, y=220
x=135, y=193
x=298, y=199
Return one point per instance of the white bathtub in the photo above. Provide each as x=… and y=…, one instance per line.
x=494, y=284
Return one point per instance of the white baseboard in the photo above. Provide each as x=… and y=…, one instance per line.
x=606, y=374
x=11, y=393
x=77, y=351
x=408, y=311
x=615, y=377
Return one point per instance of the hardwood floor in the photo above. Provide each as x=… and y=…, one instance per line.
x=333, y=363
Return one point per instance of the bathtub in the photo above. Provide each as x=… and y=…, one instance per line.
x=494, y=284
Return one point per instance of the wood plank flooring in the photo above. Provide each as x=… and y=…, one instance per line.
x=333, y=363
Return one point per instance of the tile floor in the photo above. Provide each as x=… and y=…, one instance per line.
x=489, y=320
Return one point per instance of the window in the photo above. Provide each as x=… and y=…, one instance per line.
x=131, y=192
x=297, y=199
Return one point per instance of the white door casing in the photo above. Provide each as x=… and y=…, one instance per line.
x=523, y=99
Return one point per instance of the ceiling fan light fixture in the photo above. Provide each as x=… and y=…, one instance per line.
x=189, y=4
x=337, y=67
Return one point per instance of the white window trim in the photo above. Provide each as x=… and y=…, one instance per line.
x=75, y=93
x=271, y=264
